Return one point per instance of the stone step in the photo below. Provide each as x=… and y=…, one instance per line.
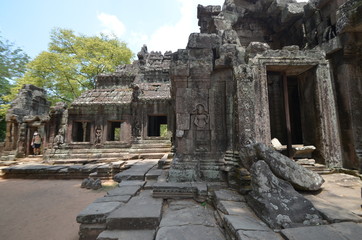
x=152, y=145
x=81, y=161
x=152, y=155
x=127, y=235
x=149, y=150
x=152, y=141
x=87, y=150
x=137, y=171
x=7, y=158
x=142, y=212
x=87, y=155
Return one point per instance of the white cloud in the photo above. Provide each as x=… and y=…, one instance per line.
x=173, y=37
x=112, y=26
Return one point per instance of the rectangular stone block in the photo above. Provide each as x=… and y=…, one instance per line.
x=90, y=231
x=141, y=212
x=124, y=191
x=312, y=233
x=236, y=223
x=97, y=212
x=127, y=235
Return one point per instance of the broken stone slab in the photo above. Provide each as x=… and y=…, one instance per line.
x=124, y=190
x=90, y=231
x=305, y=161
x=257, y=235
x=198, y=232
x=303, y=151
x=132, y=183
x=235, y=208
x=276, y=202
x=282, y=166
x=349, y=230
x=236, y=223
x=337, y=231
x=141, y=212
x=228, y=195
x=136, y=172
x=333, y=214
x=153, y=174
x=127, y=235
x=187, y=212
x=187, y=219
x=162, y=162
x=123, y=199
x=97, y=212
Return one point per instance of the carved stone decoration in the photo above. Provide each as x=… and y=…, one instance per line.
x=246, y=110
x=98, y=136
x=59, y=139
x=201, y=119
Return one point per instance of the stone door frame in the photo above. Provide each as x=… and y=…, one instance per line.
x=325, y=102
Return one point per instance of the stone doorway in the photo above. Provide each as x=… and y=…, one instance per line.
x=115, y=131
x=157, y=126
x=315, y=122
x=81, y=131
x=285, y=108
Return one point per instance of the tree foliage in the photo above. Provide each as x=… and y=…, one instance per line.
x=12, y=65
x=72, y=64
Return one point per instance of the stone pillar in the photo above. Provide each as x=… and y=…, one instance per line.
x=200, y=104
x=326, y=110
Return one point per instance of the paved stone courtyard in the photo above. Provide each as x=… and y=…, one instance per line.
x=130, y=211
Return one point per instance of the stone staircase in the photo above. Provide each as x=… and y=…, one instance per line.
x=143, y=149
x=127, y=212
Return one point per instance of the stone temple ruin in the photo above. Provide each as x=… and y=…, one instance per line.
x=258, y=70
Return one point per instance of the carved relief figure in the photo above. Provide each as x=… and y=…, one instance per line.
x=59, y=139
x=201, y=116
x=98, y=136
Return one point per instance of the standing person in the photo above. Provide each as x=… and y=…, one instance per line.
x=36, y=143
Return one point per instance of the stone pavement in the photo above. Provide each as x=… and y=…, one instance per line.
x=136, y=209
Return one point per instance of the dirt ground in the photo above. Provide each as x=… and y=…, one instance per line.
x=46, y=209
x=42, y=209
x=343, y=190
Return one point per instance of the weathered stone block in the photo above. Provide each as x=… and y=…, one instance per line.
x=90, y=231
x=276, y=202
x=127, y=235
x=141, y=212
x=201, y=40
x=282, y=166
x=97, y=212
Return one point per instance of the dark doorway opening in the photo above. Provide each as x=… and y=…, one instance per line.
x=114, y=133
x=157, y=126
x=285, y=108
x=81, y=132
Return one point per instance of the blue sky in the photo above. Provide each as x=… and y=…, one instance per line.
x=161, y=24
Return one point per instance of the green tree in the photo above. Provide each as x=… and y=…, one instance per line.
x=13, y=62
x=72, y=64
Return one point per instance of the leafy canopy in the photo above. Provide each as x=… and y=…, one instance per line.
x=12, y=65
x=72, y=64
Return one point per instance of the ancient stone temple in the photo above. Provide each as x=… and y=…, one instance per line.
x=130, y=104
x=27, y=114
x=258, y=70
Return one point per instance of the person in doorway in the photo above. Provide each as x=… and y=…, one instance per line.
x=36, y=143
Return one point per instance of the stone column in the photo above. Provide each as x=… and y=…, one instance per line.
x=326, y=110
